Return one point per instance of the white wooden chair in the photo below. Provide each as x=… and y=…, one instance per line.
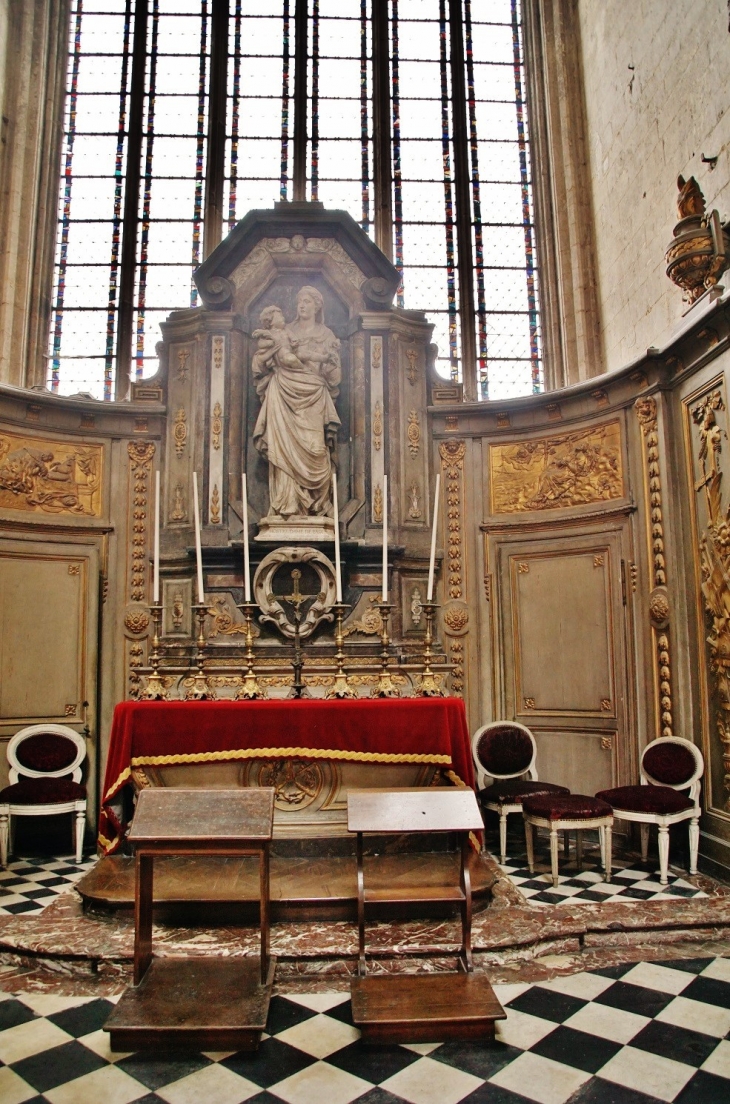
x=45, y=779
x=669, y=765
x=505, y=751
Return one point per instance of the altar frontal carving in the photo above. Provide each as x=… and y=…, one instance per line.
x=550, y=473
x=50, y=477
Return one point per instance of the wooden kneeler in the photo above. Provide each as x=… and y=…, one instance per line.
x=199, y=1003
x=418, y=1008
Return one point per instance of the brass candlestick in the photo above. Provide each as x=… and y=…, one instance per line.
x=429, y=686
x=155, y=690
x=250, y=687
x=198, y=687
x=385, y=687
x=341, y=687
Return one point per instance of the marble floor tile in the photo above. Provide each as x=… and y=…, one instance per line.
x=696, y=1016
x=719, y=1061
x=319, y=1083
x=430, y=1082
x=213, y=1083
x=540, y=1079
x=648, y=1073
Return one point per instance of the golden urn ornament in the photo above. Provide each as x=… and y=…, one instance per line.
x=698, y=253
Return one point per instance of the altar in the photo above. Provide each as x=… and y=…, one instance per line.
x=310, y=751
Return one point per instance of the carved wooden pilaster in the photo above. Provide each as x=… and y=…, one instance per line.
x=659, y=610
x=455, y=613
x=136, y=620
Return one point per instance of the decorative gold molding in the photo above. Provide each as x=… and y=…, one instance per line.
x=376, y=353
x=378, y=426
x=552, y=473
x=452, y=454
x=216, y=426
x=215, y=507
x=646, y=412
x=224, y=623
x=40, y=475
x=136, y=621
x=180, y=431
x=140, y=465
x=378, y=504
x=413, y=433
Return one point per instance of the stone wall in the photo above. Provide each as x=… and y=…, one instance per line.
x=656, y=77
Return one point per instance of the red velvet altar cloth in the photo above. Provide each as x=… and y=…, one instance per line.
x=410, y=730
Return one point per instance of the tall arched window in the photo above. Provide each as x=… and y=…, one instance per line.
x=182, y=115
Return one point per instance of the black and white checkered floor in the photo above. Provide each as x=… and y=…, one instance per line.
x=28, y=885
x=631, y=880
x=632, y=1034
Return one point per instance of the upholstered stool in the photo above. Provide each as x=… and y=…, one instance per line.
x=565, y=812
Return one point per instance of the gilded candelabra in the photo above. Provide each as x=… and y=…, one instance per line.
x=250, y=688
x=341, y=687
x=385, y=687
x=430, y=683
x=155, y=690
x=197, y=686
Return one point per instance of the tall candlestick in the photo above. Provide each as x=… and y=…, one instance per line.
x=198, y=550
x=432, y=562
x=246, y=560
x=338, y=570
x=385, y=538
x=156, y=560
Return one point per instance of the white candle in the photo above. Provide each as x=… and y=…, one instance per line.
x=246, y=560
x=385, y=538
x=156, y=560
x=338, y=570
x=432, y=563
x=198, y=550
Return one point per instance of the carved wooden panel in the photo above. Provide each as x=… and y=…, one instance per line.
x=562, y=633
x=46, y=476
x=551, y=473
x=572, y=758
x=708, y=455
x=45, y=627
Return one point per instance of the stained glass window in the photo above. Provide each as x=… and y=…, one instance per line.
x=143, y=135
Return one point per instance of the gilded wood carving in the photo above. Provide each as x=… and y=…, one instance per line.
x=659, y=611
x=550, y=473
x=714, y=549
x=39, y=475
x=452, y=463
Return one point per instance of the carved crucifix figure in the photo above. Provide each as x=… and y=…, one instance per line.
x=296, y=599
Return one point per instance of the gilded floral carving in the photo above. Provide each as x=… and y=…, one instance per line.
x=180, y=431
x=140, y=464
x=413, y=433
x=551, y=473
x=136, y=621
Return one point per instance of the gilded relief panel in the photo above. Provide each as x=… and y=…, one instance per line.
x=551, y=473
x=562, y=633
x=46, y=476
x=706, y=437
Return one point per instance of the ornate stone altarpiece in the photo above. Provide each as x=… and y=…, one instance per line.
x=296, y=366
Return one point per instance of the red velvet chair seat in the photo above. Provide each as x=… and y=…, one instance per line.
x=42, y=791
x=566, y=807
x=511, y=791
x=646, y=799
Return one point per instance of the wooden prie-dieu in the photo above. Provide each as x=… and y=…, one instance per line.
x=413, y=1008
x=202, y=1003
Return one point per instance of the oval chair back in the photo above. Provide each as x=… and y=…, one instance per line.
x=44, y=763
x=46, y=751
x=674, y=762
x=503, y=749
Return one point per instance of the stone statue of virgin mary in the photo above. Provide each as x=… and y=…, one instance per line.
x=296, y=371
